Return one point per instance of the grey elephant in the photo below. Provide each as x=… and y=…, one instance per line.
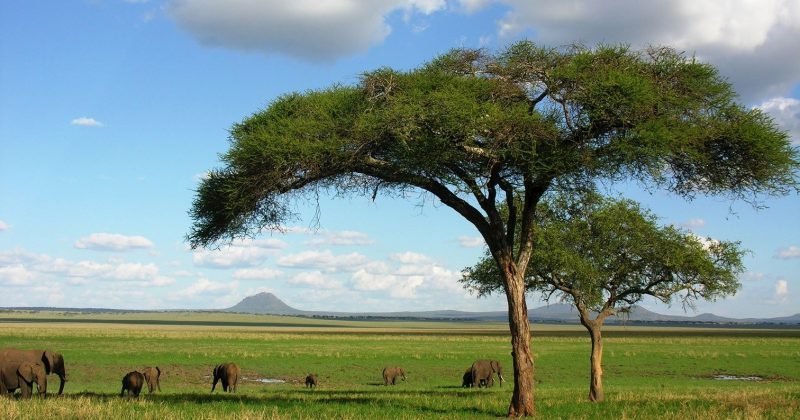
x=53, y=362
x=466, y=380
x=22, y=376
x=483, y=372
x=152, y=375
x=228, y=374
x=132, y=383
x=390, y=374
x=311, y=380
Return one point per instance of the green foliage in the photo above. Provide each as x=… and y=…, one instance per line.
x=489, y=126
x=602, y=253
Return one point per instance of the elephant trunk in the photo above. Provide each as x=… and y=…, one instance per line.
x=41, y=383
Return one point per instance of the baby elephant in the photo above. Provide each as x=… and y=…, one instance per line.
x=311, y=380
x=390, y=374
x=153, y=377
x=132, y=383
x=466, y=380
x=22, y=376
x=228, y=374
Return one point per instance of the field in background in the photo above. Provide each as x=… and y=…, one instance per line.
x=649, y=372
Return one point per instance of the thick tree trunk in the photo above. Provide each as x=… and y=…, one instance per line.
x=522, y=399
x=596, y=378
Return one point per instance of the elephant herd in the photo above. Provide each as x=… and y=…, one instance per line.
x=21, y=369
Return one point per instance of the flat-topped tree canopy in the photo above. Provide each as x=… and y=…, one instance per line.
x=476, y=129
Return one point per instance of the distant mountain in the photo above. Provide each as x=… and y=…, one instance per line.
x=267, y=303
x=264, y=303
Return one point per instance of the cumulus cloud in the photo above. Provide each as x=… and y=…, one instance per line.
x=86, y=122
x=749, y=41
x=341, y=238
x=409, y=274
x=693, y=223
x=786, y=112
x=3, y=226
x=205, y=287
x=256, y=274
x=781, y=290
x=788, y=253
x=308, y=29
x=323, y=260
x=112, y=242
x=470, y=241
x=410, y=258
x=241, y=253
x=315, y=279
x=15, y=275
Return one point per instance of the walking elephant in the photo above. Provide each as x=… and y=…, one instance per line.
x=52, y=362
x=483, y=372
x=390, y=374
x=152, y=375
x=132, y=383
x=311, y=380
x=228, y=374
x=22, y=376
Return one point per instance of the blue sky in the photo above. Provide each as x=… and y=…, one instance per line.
x=111, y=111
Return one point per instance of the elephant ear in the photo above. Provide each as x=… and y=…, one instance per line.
x=25, y=371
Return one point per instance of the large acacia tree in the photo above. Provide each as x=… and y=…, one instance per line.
x=476, y=129
x=604, y=256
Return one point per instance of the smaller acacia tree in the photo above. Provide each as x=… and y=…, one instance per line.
x=605, y=255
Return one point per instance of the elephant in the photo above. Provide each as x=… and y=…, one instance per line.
x=152, y=375
x=390, y=374
x=311, y=380
x=132, y=383
x=23, y=376
x=466, y=380
x=53, y=362
x=228, y=374
x=483, y=370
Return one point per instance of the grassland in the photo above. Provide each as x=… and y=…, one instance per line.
x=649, y=372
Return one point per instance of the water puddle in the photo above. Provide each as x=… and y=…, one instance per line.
x=266, y=380
x=736, y=378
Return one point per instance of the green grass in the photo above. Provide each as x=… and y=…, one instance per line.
x=649, y=372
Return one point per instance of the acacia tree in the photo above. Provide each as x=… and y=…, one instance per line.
x=475, y=129
x=605, y=255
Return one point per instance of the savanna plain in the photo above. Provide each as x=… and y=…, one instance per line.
x=649, y=372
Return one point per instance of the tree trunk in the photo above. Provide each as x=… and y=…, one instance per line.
x=596, y=378
x=522, y=399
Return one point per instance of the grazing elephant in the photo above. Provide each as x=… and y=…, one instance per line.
x=152, y=375
x=390, y=374
x=483, y=370
x=53, y=362
x=23, y=376
x=228, y=374
x=311, y=380
x=132, y=383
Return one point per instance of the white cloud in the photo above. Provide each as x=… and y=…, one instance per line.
x=15, y=275
x=256, y=274
x=342, y=238
x=3, y=226
x=786, y=112
x=205, y=287
x=693, y=223
x=112, y=242
x=323, y=260
x=86, y=122
x=781, y=290
x=471, y=241
x=315, y=279
x=748, y=40
x=410, y=258
x=308, y=29
x=241, y=253
x=788, y=253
